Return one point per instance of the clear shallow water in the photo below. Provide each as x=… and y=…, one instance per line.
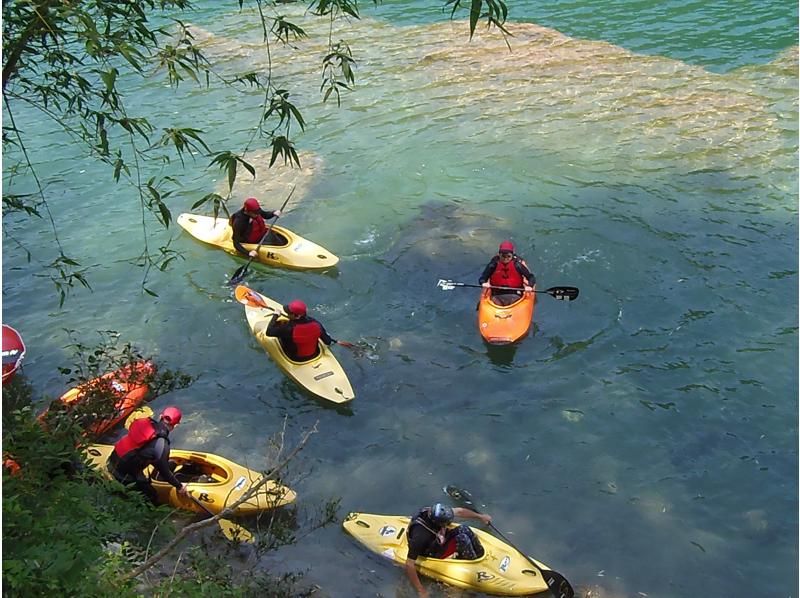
x=644, y=438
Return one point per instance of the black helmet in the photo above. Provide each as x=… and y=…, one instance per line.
x=441, y=514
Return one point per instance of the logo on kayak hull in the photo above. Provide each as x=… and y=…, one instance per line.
x=505, y=563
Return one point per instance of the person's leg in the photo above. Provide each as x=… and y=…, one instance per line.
x=469, y=546
x=505, y=298
x=274, y=238
x=144, y=486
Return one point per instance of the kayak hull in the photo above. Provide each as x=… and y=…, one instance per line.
x=13, y=352
x=128, y=384
x=505, y=324
x=322, y=376
x=501, y=571
x=296, y=253
x=213, y=480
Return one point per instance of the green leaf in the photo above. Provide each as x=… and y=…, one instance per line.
x=474, y=15
x=109, y=78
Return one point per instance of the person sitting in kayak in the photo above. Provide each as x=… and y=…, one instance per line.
x=507, y=269
x=249, y=225
x=428, y=535
x=147, y=443
x=300, y=334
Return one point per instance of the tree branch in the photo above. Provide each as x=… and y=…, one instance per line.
x=228, y=510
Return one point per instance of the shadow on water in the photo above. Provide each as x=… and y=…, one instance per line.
x=290, y=391
x=502, y=355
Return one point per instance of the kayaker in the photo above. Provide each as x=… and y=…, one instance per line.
x=299, y=336
x=428, y=535
x=249, y=225
x=507, y=269
x=147, y=443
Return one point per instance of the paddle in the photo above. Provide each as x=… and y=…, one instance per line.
x=232, y=531
x=558, y=585
x=253, y=299
x=241, y=271
x=560, y=293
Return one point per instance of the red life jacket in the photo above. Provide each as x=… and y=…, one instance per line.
x=140, y=433
x=258, y=226
x=507, y=275
x=305, y=336
x=257, y=229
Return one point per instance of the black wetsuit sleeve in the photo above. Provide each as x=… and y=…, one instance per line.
x=239, y=225
x=324, y=336
x=488, y=271
x=281, y=330
x=267, y=215
x=162, y=463
x=523, y=270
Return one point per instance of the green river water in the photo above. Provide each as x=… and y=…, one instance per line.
x=643, y=439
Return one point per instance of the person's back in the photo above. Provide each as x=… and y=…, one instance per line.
x=425, y=537
x=299, y=336
x=137, y=449
x=147, y=443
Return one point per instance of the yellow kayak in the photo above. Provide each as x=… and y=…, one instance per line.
x=213, y=480
x=501, y=571
x=322, y=376
x=296, y=252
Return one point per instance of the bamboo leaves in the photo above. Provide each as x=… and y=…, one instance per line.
x=339, y=59
x=495, y=14
x=229, y=163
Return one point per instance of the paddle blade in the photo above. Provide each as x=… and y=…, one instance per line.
x=446, y=285
x=238, y=276
x=235, y=532
x=558, y=585
x=460, y=496
x=563, y=293
x=245, y=296
x=138, y=414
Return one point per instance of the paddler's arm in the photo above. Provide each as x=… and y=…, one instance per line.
x=523, y=270
x=239, y=231
x=162, y=465
x=465, y=513
x=278, y=328
x=413, y=577
x=268, y=215
x=487, y=272
x=325, y=337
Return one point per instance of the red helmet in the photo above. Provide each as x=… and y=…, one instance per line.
x=251, y=205
x=296, y=308
x=506, y=246
x=171, y=415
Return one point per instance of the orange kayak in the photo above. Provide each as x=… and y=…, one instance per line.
x=129, y=385
x=505, y=324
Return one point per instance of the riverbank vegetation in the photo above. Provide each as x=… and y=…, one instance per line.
x=69, y=529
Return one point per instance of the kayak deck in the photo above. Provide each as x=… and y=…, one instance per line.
x=505, y=324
